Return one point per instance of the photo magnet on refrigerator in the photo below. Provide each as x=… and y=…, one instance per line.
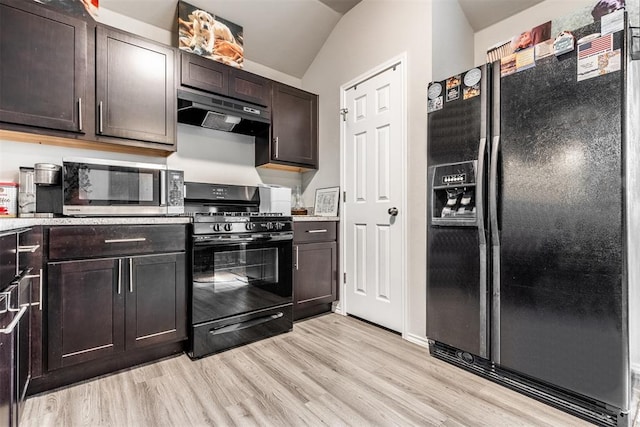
x=453, y=88
x=564, y=43
x=434, y=95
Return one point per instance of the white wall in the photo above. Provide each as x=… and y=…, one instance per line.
x=453, y=40
x=205, y=155
x=370, y=34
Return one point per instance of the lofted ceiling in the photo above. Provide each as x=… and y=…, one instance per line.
x=484, y=13
x=286, y=35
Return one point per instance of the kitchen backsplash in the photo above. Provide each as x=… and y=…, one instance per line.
x=203, y=154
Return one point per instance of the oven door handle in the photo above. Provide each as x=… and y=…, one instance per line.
x=226, y=240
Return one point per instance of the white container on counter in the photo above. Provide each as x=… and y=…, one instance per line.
x=8, y=199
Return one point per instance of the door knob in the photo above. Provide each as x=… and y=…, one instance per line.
x=393, y=211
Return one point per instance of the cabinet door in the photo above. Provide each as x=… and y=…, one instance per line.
x=315, y=274
x=43, y=67
x=156, y=307
x=204, y=74
x=30, y=256
x=85, y=311
x=135, y=88
x=249, y=87
x=294, y=126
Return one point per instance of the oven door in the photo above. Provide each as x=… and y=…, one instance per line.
x=234, y=275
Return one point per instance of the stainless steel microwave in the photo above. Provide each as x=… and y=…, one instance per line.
x=96, y=187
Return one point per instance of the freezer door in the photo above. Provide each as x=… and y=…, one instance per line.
x=562, y=294
x=457, y=308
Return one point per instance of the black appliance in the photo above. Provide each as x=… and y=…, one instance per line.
x=222, y=113
x=242, y=275
x=15, y=300
x=530, y=256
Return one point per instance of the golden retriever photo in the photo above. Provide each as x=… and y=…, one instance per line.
x=210, y=36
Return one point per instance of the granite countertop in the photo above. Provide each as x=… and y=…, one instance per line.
x=14, y=223
x=297, y=218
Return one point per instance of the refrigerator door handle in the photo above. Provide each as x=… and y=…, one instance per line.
x=480, y=190
x=493, y=191
x=482, y=238
x=495, y=251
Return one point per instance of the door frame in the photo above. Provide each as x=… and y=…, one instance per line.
x=342, y=305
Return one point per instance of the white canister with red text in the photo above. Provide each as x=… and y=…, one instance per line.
x=8, y=199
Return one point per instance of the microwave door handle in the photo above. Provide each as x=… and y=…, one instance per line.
x=163, y=187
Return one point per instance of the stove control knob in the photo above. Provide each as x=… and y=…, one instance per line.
x=250, y=226
x=269, y=226
x=228, y=227
x=216, y=227
x=279, y=225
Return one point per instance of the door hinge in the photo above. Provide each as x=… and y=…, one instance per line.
x=344, y=112
x=344, y=277
x=344, y=197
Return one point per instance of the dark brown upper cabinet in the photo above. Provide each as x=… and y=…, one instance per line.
x=215, y=77
x=294, y=131
x=249, y=87
x=135, y=88
x=204, y=74
x=43, y=67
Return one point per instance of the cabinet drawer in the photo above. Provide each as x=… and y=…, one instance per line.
x=314, y=231
x=107, y=241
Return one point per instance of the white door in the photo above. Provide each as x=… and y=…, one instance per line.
x=373, y=147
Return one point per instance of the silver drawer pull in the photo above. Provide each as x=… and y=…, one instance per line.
x=135, y=239
x=323, y=230
x=11, y=326
x=31, y=248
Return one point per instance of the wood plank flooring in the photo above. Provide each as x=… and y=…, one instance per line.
x=330, y=371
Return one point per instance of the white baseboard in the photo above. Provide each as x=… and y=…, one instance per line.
x=416, y=339
x=337, y=308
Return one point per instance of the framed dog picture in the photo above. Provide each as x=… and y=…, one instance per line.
x=79, y=8
x=208, y=35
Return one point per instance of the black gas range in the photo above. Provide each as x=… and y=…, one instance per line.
x=242, y=276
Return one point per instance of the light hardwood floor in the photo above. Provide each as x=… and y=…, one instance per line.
x=331, y=370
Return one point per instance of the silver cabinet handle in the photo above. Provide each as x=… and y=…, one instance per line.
x=39, y=276
x=275, y=140
x=31, y=248
x=297, y=252
x=134, y=239
x=163, y=187
x=11, y=326
x=323, y=230
x=130, y=275
x=41, y=283
x=80, y=114
x=100, y=117
x=119, y=276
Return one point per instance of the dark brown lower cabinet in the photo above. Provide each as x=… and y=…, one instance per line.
x=98, y=308
x=315, y=278
x=30, y=257
x=156, y=300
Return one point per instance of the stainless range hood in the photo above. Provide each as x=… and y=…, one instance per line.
x=222, y=113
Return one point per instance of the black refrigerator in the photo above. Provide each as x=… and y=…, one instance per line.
x=532, y=205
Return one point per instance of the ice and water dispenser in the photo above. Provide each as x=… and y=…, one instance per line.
x=454, y=189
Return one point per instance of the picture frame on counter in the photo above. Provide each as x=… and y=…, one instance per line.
x=327, y=201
